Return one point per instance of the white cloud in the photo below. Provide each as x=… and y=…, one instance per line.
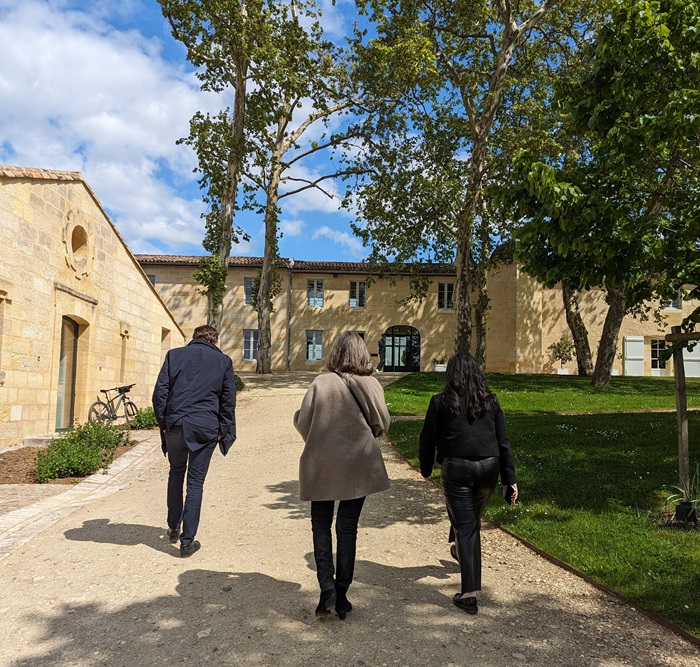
x=77, y=94
x=292, y=227
x=80, y=92
x=351, y=243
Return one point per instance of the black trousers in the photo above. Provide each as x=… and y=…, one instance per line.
x=196, y=465
x=346, y=536
x=468, y=485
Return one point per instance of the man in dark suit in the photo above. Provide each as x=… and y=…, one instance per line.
x=194, y=402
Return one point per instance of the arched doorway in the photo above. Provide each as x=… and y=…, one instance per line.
x=402, y=349
x=67, y=367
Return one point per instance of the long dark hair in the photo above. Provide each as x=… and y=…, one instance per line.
x=466, y=391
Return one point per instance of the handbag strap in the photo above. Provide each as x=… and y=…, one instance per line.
x=359, y=405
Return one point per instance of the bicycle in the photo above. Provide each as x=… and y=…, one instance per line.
x=109, y=411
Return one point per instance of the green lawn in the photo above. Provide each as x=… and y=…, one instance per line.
x=592, y=488
x=548, y=393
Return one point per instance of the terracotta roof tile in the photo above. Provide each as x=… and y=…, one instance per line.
x=298, y=265
x=46, y=174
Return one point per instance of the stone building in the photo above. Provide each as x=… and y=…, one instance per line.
x=77, y=313
x=320, y=300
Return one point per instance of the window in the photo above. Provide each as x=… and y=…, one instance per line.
x=152, y=278
x=357, y=294
x=248, y=287
x=361, y=334
x=250, y=344
x=673, y=304
x=445, y=295
x=314, y=293
x=314, y=345
x=657, y=347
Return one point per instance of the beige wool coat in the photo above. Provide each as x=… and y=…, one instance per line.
x=341, y=459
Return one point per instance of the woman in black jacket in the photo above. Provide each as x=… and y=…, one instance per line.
x=466, y=426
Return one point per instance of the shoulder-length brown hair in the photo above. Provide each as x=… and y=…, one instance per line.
x=349, y=355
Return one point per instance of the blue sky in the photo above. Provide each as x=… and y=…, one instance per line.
x=101, y=87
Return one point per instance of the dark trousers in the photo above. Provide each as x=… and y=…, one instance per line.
x=382, y=359
x=468, y=485
x=346, y=537
x=196, y=465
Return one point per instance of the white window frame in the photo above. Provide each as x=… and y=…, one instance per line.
x=314, y=345
x=314, y=293
x=657, y=346
x=358, y=294
x=250, y=344
x=446, y=296
x=248, y=291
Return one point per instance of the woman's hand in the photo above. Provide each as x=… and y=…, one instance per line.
x=515, y=492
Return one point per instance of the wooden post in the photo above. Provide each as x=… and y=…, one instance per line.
x=681, y=414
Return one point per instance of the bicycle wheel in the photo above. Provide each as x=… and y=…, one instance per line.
x=130, y=411
x=99, y=412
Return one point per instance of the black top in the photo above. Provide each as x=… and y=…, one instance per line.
x=196, y=386
x=454, y=436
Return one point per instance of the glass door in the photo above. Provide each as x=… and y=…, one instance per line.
x=402, y=349
x=65, y=404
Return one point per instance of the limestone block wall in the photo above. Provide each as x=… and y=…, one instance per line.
x=593, y=310
x=64, y=265
x=383, y=309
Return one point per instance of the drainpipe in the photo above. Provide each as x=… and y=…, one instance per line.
x=290, y=266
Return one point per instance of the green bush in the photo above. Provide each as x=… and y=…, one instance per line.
x=81, y=452
x=239, y=383
x=145, y=418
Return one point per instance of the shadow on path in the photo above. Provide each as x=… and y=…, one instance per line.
x=381, y=509
x=128, y=534
x=247, y=618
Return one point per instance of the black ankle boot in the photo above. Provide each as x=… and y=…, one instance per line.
x=326, y=602
x=342, y=605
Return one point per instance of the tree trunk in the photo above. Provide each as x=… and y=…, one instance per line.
x=463, y=304
x=608, y=340
x=267, y=274
x=481, y=308
x=234, y=167
x=579, y=333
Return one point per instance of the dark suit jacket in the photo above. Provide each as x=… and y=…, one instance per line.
x=196, y=385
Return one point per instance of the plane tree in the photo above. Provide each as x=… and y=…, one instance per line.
x=620, y=208
x=459, y=87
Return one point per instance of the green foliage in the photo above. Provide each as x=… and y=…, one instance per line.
x=80, y=452
x=612, y=208
x=592, y=494
x=145, y=418
x=212, y=276
x=239, y=383
x=542, y=394
x=690, y=493
x=275, y=288
x=563, y=350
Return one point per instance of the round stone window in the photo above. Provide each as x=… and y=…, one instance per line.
x=77, y=239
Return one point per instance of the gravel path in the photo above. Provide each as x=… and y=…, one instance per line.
x=102, y=586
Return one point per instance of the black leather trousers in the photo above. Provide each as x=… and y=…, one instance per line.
x=346, y=536
x=468, y=485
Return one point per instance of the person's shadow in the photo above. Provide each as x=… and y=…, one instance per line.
x=127, y=534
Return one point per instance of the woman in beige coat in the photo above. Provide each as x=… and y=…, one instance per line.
x=340, y=417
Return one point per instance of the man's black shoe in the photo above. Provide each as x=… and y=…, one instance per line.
x=186, y=550
x=173, y=535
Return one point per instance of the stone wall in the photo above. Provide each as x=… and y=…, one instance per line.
x=65, y=268
x=524, y=320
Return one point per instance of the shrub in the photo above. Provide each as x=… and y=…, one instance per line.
x=145, y=418
x=563, y=350
x=81, y=452
x=239, y=383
